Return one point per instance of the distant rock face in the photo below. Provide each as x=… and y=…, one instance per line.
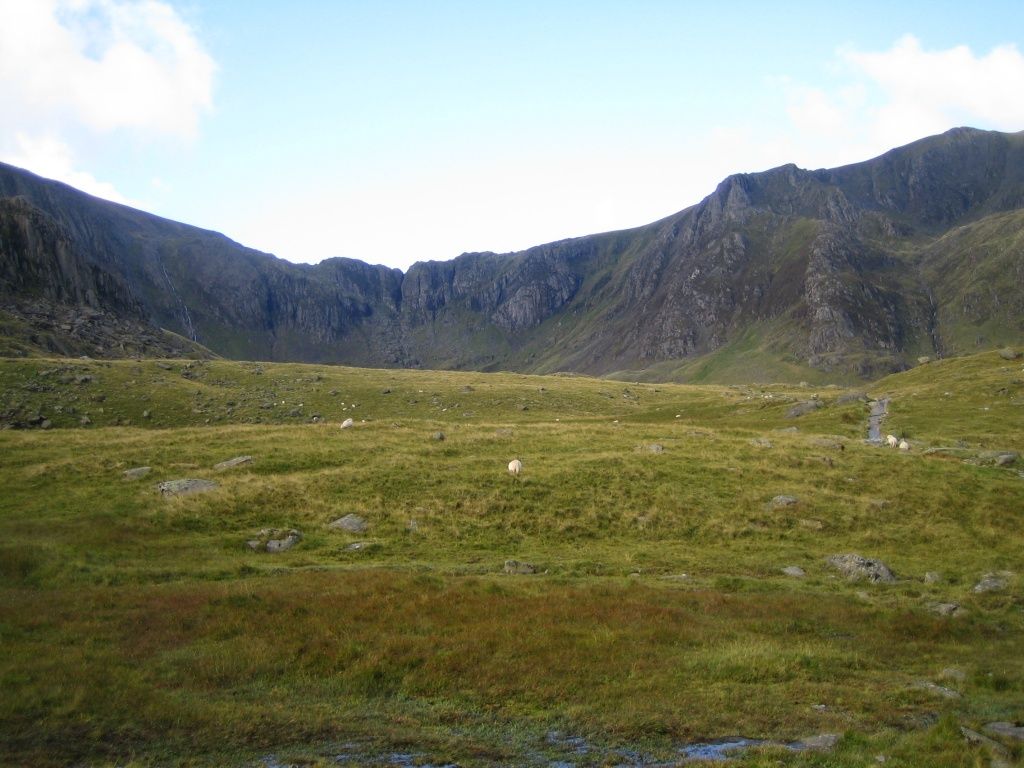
x=818, y=254
x=857, y=568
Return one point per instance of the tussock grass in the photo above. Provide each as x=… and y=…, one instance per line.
x=140, y=628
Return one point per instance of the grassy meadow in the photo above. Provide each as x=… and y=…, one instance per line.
x=140, y=630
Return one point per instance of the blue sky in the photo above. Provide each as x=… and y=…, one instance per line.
x=401, y=131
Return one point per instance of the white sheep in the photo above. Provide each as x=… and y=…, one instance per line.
x=891, y=441
x=515, y=467
x=904, y=445
x=347, y=424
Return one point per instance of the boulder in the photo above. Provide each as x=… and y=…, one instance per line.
x=274, y=540
x=519, y=568
x=135, y=473
x=438, y=436
x=946, y=609
x=801, y=409
x=998, y=458
x=1009, y=353
x=857, y=568
x=655, y=448
x=932, y=577
x=761, y=442
x=783, y=501
x=1006, y=730
x=795, y=571
x=992, y=582
x=351, y=523
x=235, y=462
x=347, y=424
x=185, y=487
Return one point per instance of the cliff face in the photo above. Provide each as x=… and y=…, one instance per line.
x=855, y=269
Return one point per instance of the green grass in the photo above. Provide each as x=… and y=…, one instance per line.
x=139, y=630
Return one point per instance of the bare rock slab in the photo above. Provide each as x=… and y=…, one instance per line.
x=1006, y=730
x=993, y=582
x=351, y=523
x=857, y=568
x=238, y=461
x=185, y=487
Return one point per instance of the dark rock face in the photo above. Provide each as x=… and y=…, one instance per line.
x=859, y=269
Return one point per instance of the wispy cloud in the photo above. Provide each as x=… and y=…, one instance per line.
x=74, y=71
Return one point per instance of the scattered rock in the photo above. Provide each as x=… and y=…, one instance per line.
x=811, y=523
x=135, y=473
x=520, y=568
x=235, y=462
x=932, y=577
x=783, y=501
x=1006, y=730
x=795, y=571
x=820, y=743
x=1000, y=755
x=992, y=582
x=801, y=409
x=852, y=397
x=786, y=429
x=274, y=540
x=45, y=424
x=946, y=609
x=655, y=448
x=438, y=436
x=832, y=443
x=856, y=568
x=352, y=523
x=940, y=690
x=998, y=458
x=761, y=442
x=185, y=487
x=347, y=424
x=1009, y=353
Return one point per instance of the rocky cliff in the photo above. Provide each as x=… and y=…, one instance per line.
x=853, y=271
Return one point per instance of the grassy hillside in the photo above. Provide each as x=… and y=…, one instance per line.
x=141, y=630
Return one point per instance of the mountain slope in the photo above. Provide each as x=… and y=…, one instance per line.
x=851, y=271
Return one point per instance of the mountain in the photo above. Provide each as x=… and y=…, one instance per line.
x=831, y=273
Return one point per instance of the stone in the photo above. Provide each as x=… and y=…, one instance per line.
x=135, y=473
x=347, y=424
x=761, y=442
x=801, y=409
x=146, y=414
x=923, y=360
x=1000, y=754
x=998, y=458
x=855, y=568
x=235, y=462
x=795, y=571
x=783, y=501
x=655, y=448
x=1009, y=353
x=45, y=424
x=932, y=577
x=832, y=443
x=939, y=690
x=85, y=421
x=1006, y=730
x=438, y=436
x=519, y=568
x=992, y=582
x=185, y=487
x=283, y=545
x=810, y=523
x=820, y=743
x=352, y=523
x=946, y=609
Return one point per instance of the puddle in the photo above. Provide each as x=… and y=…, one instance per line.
x=719, y=750
x=879, y=410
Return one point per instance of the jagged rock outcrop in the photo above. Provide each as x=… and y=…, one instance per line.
x=857, y=269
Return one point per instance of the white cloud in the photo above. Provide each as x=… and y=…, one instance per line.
x=74, y=71
x=50, y=157
x=894, y=96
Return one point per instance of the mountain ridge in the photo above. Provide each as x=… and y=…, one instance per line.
x=835, y=270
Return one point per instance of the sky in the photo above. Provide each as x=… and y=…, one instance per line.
x=399, y=131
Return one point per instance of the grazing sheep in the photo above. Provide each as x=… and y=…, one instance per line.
x=904, y=445
x=891, y=441
x=347, y=424
x=515, y=466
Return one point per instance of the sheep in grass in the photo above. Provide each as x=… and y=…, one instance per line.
x=515, y=467
x=891, y=441
x=904, y=445
x=347, y=424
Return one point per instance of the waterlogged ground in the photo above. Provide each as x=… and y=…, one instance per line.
x=673, y=594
